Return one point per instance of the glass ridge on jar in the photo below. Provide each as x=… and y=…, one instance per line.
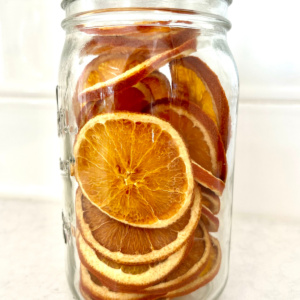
x=147, y=108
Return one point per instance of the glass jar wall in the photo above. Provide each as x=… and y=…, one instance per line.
x=147, y=102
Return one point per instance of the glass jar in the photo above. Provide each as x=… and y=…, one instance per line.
x=147, y=109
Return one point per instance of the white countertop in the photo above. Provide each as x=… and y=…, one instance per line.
x=265, y=261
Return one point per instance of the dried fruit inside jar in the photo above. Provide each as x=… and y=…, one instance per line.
x=150, y=162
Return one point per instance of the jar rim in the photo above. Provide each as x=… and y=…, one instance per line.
x=131, y=16
x=214, y=7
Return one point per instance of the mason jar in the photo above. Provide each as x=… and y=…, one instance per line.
x=147, y=109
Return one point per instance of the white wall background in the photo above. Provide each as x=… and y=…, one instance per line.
x=265, y=42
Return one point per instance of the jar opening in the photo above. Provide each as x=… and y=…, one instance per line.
x=214, y=7
x=133, y=16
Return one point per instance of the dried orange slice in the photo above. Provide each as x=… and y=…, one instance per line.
x=207, y=179
x=133, y=99
x=158, y=84
x=190, y=267
x=208, y=273
x=119, y=277
x=198, y=131
x=140, y=29
x=210, y=221
x=92, y=288
x=108, y=65
x=210, y=200
x=132, y=76
x=133, y=245
x=192, y=79
x=135, y=168
x=154, y=38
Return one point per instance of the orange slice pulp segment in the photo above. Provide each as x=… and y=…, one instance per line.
x=198, y=131
x=192, y=79
x=134, y=245
x=135, y=168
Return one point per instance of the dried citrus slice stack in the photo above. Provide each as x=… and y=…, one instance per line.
x=198, y=131
x=133, y=245
x=140, y=95
x=103, y=84
x=191, y=275
x=155, y=37
x=120, y=277
x=150, y=162
x=192, y=265
x=210, y=221
x=124, y=167
x=208, y=273
x=104, y=67
x=93, y=289
x=132, y=76
x=210, y=200
x=192, y=79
